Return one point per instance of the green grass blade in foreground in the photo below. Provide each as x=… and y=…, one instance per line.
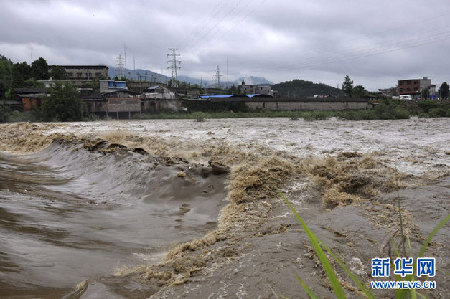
x=395, y=247
x=357, y=281
x=321, y=255
x=422, y=296
x=431, y=235
x=306, y=288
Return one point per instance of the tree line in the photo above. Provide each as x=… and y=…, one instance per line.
x=303, y=89
x=62, y=103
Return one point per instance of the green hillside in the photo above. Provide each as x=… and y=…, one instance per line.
x=303, y=89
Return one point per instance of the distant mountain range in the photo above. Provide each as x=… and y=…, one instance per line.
x=294, y=88
x=156, y=77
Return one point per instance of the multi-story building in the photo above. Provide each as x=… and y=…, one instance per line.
x=255, y=89
x=413, y=87
x=84, y=72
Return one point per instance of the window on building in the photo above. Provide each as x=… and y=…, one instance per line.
x=400, y=83
x=79, y=74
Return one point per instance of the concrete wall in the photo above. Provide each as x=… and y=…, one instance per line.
x=311, y=105
x=157, y=105
x=96, y=106
x=124, y=105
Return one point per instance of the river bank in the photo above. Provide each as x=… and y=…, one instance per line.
x=342, y=177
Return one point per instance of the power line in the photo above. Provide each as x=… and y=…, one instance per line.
x=212, y=28
x=203, y=23
x=234, y=21
x=400, y=45
x=311, y=62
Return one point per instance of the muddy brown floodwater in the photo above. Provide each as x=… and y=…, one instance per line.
x=185, y=209
x=68, y=214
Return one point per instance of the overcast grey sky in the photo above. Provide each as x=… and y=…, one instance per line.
x=375, y=42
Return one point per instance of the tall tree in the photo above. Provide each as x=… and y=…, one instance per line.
x=425, y=93
x=444, y=90
x=5, y=75
x=21, y=72
x=347, y=86
x=58, y=73
x=358, y=91
x=64, y=103
x=39, y=69
x=302, y=89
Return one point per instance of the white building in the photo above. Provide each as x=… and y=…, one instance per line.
x=159, y=92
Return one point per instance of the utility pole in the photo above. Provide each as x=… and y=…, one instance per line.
x=134, y=68
x=174, y=65
x=140, y=84
x=125, y=54
x=227, y=74
x=217, y=77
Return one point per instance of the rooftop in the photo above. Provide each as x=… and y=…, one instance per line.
x=99, y=66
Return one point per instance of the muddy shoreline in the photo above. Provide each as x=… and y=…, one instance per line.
x=347, y=198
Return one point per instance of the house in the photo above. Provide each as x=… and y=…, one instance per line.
x=413, y=87
x=81, y=86
x=255, y=89
x=84, y=72
x=139, y=86
x=118, y=103
x=112, y=85
x=158, y=98
x=158, y=92
x=30, y=98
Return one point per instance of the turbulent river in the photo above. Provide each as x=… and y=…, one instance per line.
x=67, y=214
x=73, y=210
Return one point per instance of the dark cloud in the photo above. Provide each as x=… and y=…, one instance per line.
x=375, y=42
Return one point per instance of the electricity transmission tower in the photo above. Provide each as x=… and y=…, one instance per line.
x=119, y=60
x=217, y=77
x=174, y=65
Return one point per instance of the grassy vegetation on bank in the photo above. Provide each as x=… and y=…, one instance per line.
x=387, y=109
